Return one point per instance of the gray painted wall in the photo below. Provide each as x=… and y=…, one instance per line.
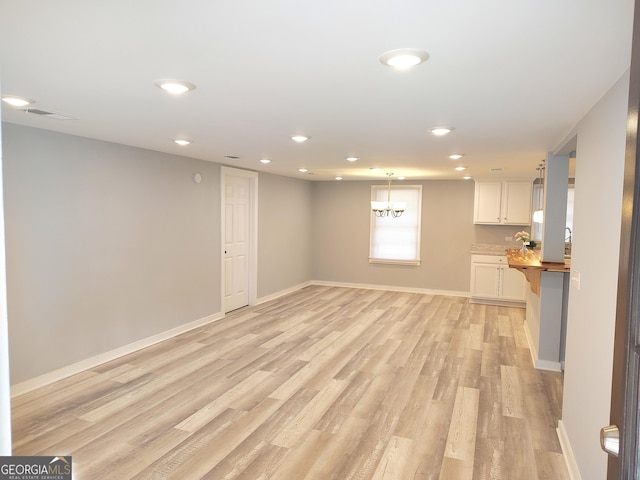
x=341, y=236
x=106, y=245
x=109, y=244
x=284, y=233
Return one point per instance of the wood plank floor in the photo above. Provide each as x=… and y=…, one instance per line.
x=325, y=383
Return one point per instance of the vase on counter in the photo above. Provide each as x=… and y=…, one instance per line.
x=523, y=237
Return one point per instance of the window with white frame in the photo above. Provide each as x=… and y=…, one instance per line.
x=396, y=240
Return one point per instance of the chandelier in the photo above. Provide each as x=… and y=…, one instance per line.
x=384, y=209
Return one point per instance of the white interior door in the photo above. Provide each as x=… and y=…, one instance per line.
x=236, y=242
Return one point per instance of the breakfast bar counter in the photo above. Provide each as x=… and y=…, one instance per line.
x=529, y=263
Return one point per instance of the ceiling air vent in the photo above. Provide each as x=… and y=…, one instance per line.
x=44, y=113
x=496, y=169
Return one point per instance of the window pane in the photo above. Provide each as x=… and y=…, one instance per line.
x=397, y=238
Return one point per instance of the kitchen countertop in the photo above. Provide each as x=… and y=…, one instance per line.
x=487, y=249
x=490, y=249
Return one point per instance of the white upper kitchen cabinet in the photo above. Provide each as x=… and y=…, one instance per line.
x=502, y=203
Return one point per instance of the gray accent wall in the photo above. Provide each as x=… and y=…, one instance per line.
x=341, y=229
x=106, y=245
x=109, y=244
x=284, y=233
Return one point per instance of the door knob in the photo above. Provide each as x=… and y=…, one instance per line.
x=610, y=439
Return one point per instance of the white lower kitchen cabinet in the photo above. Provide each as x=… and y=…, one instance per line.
x=493, y=282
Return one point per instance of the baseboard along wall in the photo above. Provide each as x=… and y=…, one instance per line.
x=74, y=368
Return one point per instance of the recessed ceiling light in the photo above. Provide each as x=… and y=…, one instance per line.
x=16, y=101
x=173, y=86
x=456, y=156
x=299, y=138
x=439, y=131
x=265, y=161
x=303, y=170
x=461, y=168
x=352, y=159
x=182, y=143
x=375, y=169
x=338, y=178
x=401, y=178
x=403, y=58
x=466, y=177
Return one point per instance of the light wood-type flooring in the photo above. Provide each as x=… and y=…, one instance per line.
x=325, y=383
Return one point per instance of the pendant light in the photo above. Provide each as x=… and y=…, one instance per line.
x=538, y=214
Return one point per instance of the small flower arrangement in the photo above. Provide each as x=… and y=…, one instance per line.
x=524, y=238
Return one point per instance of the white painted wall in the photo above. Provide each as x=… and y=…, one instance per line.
x=592, y=307
x=5, y=391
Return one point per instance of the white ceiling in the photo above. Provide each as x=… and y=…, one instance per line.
x=512, y=76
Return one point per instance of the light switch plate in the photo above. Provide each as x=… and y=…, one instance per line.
x=575, y=279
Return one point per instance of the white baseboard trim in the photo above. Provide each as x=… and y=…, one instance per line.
x=391, y=288
x=567, y=451
x=281, y=293
x=64, y=372
x=549, y=365
x=500, y=303
x=533, y=350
